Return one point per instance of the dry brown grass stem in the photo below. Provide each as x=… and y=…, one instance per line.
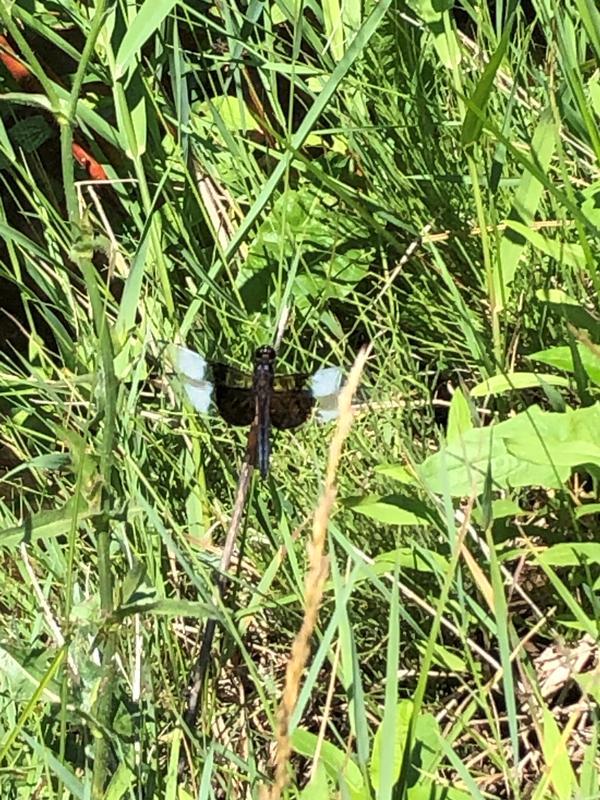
x=315, y=580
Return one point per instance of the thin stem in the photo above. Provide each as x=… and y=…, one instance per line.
x=199, y=671
x=67, y=119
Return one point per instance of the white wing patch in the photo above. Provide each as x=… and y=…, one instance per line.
x=325, y=385
x=191, y=368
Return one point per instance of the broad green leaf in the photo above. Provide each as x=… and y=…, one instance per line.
x=425, y=743
x=517, y=380
x=386, y=762
x=556, y=297
x=555, y=451
x=524, y=208
x=21, y=674
x=393, y=509
x=562, y=358
x=410, y=558
x=589, y=508
x=590, y=206
x=121, y=783
x=47, y=524
x=26, y=99
x=31, y=133
x=571, y=554
x=337, y=762
x=320, y=787
x=234, y=114
x=397, y=472
x=460, y=419
x=569, y=440
x=430, y=10
x=500, y=509
x=285, y=11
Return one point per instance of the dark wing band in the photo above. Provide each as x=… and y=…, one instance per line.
x=289, y=409
x=224, y=375
x=236, y=406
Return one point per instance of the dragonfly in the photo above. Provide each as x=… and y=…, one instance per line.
x=260, y=399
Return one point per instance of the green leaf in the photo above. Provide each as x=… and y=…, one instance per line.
x=445, y=659
x=31, y=133
x=168, y=608
x=562, y=358
x=336, y=762
x=444, y=39
x=334, y=29
x=554, y=451
x=571, y=554
x=460, y=419
x=288, y=10
x=56, y=767
x=477, y=103
x=50, y=461
x=590, y=17
x=590, y=683
x=130, y=300
x=320, y=787
x=589, y=508
x=566, y=253
x=554, y=747
x=533, y=448
x=591, y=205
x=524, y=208
x=121, y=782
x=233, y=112
x=412, y=558
x=48, y=524
x=148, y=19
x=397, y=472
x=516, y=380
x=500, y=509
x=403, y=715
x=393, y=509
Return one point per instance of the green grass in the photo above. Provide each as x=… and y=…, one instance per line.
x=421, y=177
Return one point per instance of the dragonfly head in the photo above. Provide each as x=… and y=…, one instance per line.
x=264, y=355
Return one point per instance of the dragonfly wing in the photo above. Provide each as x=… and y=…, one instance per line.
x=192, y=370
x=325, y=386
x=236, y=406
x=290, y=408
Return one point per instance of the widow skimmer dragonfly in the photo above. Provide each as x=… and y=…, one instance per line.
x=260, y=399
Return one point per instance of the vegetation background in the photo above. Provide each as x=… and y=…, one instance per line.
x=423, y=176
